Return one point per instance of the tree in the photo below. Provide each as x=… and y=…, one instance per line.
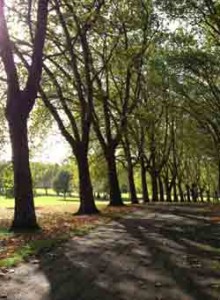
x=69, y=77
x=43, y=175
x=121, y=56
x=62, y=183
x=98, y=170
x=129, y=166
x=20, y=102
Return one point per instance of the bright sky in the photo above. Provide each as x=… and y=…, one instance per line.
x=54, y=150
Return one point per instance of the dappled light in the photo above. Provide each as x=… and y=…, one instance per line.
x=109, y=149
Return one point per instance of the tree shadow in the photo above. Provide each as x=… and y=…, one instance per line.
x=186, y=248
x=158, y=255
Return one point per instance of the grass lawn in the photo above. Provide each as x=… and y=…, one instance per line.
x=50, y=204
x=46, y=204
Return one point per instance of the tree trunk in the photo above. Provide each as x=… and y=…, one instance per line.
x=208, y=195
x=161, y=189
x=144, y=182
x=194, y=193
x=24, y=213
x=87, y=202
x=219, y=178
x=130, y=170
x=188, y=194
x=115, y=193
x=175, y=195
x=169, y=196
x=132, y=188
x=154, y=187
x=181, y=192
x=168, y=191
x=201, y=191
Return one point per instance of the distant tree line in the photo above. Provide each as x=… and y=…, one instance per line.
x=46, y=177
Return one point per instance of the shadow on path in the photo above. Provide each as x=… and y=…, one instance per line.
x=160, y=252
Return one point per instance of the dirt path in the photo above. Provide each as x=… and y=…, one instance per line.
x=160, y=252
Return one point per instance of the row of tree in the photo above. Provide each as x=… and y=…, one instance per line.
x=63, y=179
x=120, y=84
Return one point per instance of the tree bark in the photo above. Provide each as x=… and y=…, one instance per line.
x=154, y=187
x=181, y=194
x=144, y=182
x=188, y=194
x=218, y=178
x=194, y=193
x=87, y=202
x=168, y=190
x=175, y=195
x=24, y=213
x=132, y=188
x=115, y=193
x=201, y=192
x=161, y=189
x=208, y=195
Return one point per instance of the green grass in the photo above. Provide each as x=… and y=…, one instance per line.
x=39, y=201
x=52, y=199
x=32, y=248
x=46, y=201
x=39, y=247
x=4, y=232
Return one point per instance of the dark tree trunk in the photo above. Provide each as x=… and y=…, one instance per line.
x=216, y=196
x=175, y=195
x=219, y=178
x=161, y=188
x=154, y=187
x=24, y=213
x=19, y=105
x=201, y=191
x=208, y=196
x=181, y=194
x=169, y=197
x=115, y=193
x=132, y=188
x=168, y=191
x=194, y=193
x=87, y=202
x=144, y=182
x=130, y=170
x=188, y=193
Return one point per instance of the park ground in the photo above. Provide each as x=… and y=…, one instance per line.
x=57, y=219
x=157, y=251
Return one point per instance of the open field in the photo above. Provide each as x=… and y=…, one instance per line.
x=51, y=204
x=46, y=204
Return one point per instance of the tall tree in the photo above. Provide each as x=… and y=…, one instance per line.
x=118, y=84
x=20, y=102
x=67, y=91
